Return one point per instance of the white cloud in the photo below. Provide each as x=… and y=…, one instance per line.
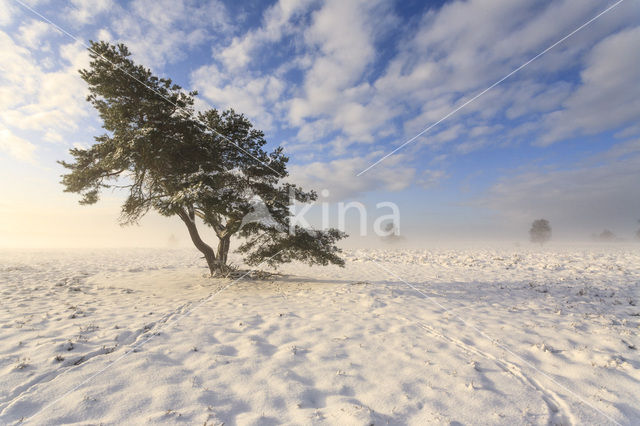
x=255, y=97
x=345, y=94
x=278, y=21
x=483, y=130
x=468, y=146
x=37, y=99
x=632, y=130
x=82, y=12
x=18, y=77
x=32, y=35
x=162, y=31
x=342, y=36
x=53, y=136
x=339, y=176
x=463, y=47
x=531, y=97
x=456, y=51
x=609, y=96
x=7, y=12
x=620, y=150
x=431, y=178
x=16, y=146
x=469, y=44
x=338, y=45
x=449, y=134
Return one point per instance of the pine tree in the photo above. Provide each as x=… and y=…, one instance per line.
x=206, y=166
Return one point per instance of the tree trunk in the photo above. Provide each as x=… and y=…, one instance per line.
x=223, y=251
x=205, y=249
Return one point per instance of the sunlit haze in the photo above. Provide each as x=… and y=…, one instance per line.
x=340, y=85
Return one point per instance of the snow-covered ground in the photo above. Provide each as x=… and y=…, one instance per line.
x=509, y=336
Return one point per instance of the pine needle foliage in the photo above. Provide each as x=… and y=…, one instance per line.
x=204, y=167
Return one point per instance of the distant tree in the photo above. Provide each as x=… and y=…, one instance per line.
x=540, y=231
x=179, y=163
x=606, y=235
x=391, y=233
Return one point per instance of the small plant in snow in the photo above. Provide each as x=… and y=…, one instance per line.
x=22, y=364
x=90, y=328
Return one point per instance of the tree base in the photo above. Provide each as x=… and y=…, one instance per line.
x=247, y=274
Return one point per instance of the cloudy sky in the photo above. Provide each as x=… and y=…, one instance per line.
x=341, y=84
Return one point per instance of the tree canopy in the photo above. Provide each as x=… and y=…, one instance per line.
x=540, y=231
x=209, y=166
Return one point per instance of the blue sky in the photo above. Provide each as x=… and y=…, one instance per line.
x=340, y=84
